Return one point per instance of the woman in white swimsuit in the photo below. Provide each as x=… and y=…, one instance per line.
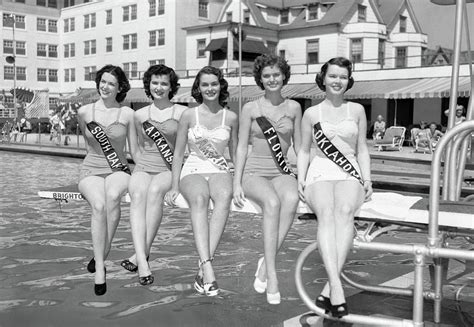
x=334, y=187
x=208, y=130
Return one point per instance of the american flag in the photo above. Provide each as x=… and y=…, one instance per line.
x=39, y=106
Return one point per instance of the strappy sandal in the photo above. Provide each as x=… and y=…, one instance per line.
x=146, y=280
x=209, y=289
x=130, y=266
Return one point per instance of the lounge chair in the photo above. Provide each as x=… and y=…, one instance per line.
x=392, y=139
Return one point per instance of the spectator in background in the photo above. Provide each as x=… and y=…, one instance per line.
x=459, y=118
x=379, y=128
x=6, y=128
x=15, y=130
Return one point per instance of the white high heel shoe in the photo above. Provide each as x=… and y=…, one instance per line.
x=258, y=285
x=274, y=298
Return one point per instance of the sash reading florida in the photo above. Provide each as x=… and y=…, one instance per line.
x=110, y=154
x=275, y=146
x=333, y=154
x=207, y=149
x=160, y=142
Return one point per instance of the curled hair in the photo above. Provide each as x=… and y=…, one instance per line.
x=122, y=80
x=266, y=60
x=160, y=70
x=338, y=61
x=223, y=94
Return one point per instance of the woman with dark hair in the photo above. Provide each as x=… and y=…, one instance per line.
x=208, y=129
x=157, y=125
x=271, y=125
x=104, y=174
x=338, y=178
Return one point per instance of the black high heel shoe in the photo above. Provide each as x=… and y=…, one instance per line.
x=340, y=310
x=323, y=303
x=91, y=266
x=100, y=289
x=146, y=280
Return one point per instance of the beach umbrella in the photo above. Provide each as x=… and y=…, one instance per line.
x=23, y=94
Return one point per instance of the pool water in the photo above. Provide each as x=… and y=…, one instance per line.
x=45, y=246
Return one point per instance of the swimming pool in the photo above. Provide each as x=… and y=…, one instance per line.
x=44, y=247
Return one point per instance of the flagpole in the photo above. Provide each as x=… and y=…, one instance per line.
x=14, y=67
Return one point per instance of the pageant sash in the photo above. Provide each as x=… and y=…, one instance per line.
x=333, y=154
x=275, y=146
x=209, y=151
x=160, y=142
x=110, y=154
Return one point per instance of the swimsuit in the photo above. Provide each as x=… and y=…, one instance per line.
x=260, y=161
x=150, y=160
x=344, y=135
x=219, y=136
x=95, y=163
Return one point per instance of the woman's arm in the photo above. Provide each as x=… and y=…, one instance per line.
x=81, y=114
x=297, y=127
x=245, y=121
x=234, y=125
x=178, y=155
x=304, y=151
x=138, y=126
x=132, y=135
x=363, y=157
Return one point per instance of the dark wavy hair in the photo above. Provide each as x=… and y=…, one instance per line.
x=223, y=94
x=123, y=84
x=266, y=60
x=159, y=70
x=338, y=61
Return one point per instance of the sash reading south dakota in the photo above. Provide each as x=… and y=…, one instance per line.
x=160, y=142
x=110, y=154
x=333, y=154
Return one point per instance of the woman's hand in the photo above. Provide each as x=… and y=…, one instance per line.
x=368, y=190
x=170, y=197
x=301, y=187
x=239, y=196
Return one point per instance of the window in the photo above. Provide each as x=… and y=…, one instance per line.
x=20, y=1
x=8, y=20
x=156, y=37
x=7, y=46
x=41, y=24
x=21, y=73
x=70, y=75
x=108, y=17
x=41, y=74
x=152, y=9
x=161, y=7
x=89, y=73
x=313, y=12
x=20, y=23
x=228, y=16
x=361, y=13
x=41, y=3
x=68, y=3
x=156, y=62
x=69, y=25
x=8, y=72
x=246, y=16
x=272, y=46
x=52, y=26
x=52, y=3
x=401, y=57
x=69, y=50
x=312, y=51
x=20, y=47
x=201, y=46
x=282, y=54
x=108, y=44
x=89, y=47
x=403, y=24
x=129, y=13
x=89, y=21
x=53, y=75
x=381, y=56
x=424, y=56
x=41, y=50
x=52, y=51
x=356, y=50
x=203, y=9
x=285, y=16
x=130, y=69
x=130, y=41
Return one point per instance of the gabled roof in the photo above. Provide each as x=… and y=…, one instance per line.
x=390, y=11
